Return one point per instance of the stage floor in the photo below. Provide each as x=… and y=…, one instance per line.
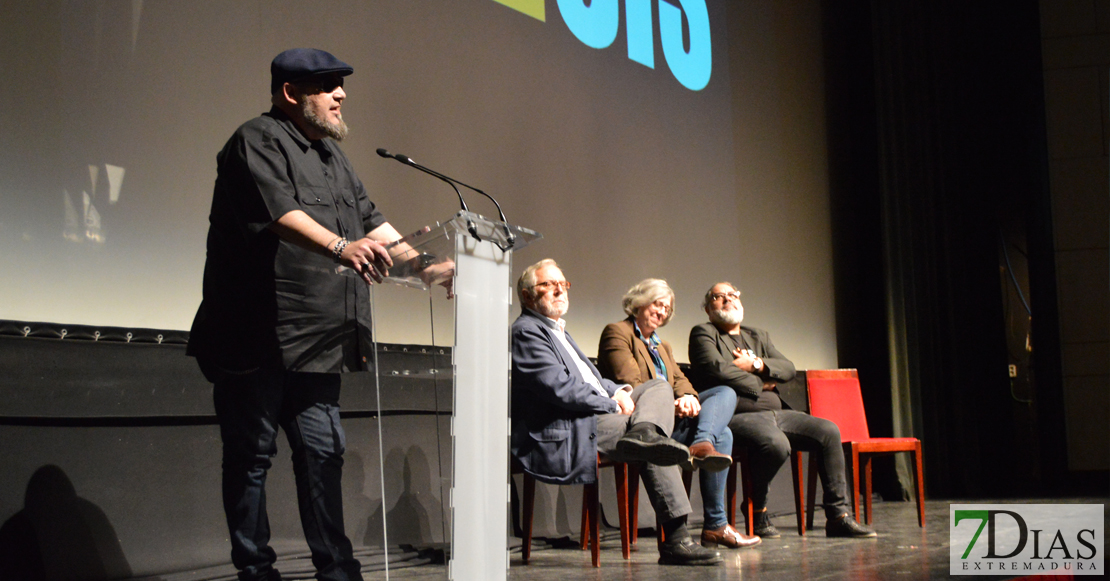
x=902, y=551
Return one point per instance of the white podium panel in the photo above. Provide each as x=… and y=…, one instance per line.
x=482, y=269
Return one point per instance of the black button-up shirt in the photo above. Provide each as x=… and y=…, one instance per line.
x=268, y=302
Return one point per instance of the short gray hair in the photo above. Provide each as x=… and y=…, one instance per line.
x=527, y=278
x=708, y=298
x=644, y=293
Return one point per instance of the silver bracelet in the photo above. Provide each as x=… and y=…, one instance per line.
x=339, y=247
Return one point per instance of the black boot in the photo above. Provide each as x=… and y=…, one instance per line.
x=846, y=526
x=643, y=443
x=763, y=527
x=679, y=549
x=687, y=552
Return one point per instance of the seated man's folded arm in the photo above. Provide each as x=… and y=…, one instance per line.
x=779, y=368
x=538, y=371
x=705, y=358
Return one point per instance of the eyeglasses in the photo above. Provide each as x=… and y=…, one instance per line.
x=734, y=295
x=552, y=285
x=321, y=84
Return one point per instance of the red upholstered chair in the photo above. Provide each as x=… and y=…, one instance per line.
x=627, y=478
x=835, y=395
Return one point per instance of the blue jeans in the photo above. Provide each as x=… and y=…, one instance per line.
x=250, y=408
x=711, y=425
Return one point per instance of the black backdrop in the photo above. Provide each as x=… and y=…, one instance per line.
x=937, y=151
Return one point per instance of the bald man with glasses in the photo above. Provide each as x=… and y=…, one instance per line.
x=726, y=352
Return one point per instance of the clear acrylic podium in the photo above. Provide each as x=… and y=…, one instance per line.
x=482, y=270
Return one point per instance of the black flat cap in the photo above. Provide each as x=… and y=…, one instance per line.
x=298, y=63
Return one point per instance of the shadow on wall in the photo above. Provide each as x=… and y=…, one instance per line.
x=59, y=535
x=410, y=518
x=355, y=502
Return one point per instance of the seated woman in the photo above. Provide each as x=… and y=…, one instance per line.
x=631, y=352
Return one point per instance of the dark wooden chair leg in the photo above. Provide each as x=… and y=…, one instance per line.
x=855, y=481
x=811, y=490
x=633, y=504
x=866, y=460
x=798, y=471
x=594, y=523
x=584, y=533
x=730, y=494
x=919, y=482
x=748, y=506
x=620, y=473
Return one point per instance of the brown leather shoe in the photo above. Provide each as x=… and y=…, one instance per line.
x=704, y=456
x=728, y=537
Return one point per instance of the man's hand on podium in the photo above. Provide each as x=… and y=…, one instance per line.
x=441, y=273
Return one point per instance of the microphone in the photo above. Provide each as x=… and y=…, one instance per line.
x=407, y=161
x=399, y=157
x=509, y=236
x=470, y=227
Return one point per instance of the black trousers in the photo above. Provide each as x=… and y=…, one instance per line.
x=250, y=408
x=769, y=437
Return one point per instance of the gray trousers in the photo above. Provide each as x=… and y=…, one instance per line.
x=654, y=405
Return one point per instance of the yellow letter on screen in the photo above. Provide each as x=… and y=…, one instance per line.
x=533, y=8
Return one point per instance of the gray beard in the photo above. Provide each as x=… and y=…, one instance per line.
x=722, y=317
x=336, y=132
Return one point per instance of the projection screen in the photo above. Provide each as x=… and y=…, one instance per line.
x=681, y=139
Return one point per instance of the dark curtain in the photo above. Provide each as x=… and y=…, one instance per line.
x=937, y=152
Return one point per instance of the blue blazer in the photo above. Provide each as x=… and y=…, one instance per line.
x=554, y=423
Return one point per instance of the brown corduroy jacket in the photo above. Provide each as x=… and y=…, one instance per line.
x=623, y=358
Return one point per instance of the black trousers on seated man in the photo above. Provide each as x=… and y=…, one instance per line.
x=724, y=352
x=769, y=436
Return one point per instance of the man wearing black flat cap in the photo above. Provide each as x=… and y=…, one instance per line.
x=279, y=320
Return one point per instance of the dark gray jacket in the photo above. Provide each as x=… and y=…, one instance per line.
x=711, y=361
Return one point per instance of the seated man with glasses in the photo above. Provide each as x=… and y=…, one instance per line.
x=564, y=413
x=724, y=352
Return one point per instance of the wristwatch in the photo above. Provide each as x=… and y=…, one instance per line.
x=758, y=364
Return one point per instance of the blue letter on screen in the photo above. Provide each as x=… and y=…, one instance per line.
x=691, y=69
x=595, y=25
x=641, y=45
